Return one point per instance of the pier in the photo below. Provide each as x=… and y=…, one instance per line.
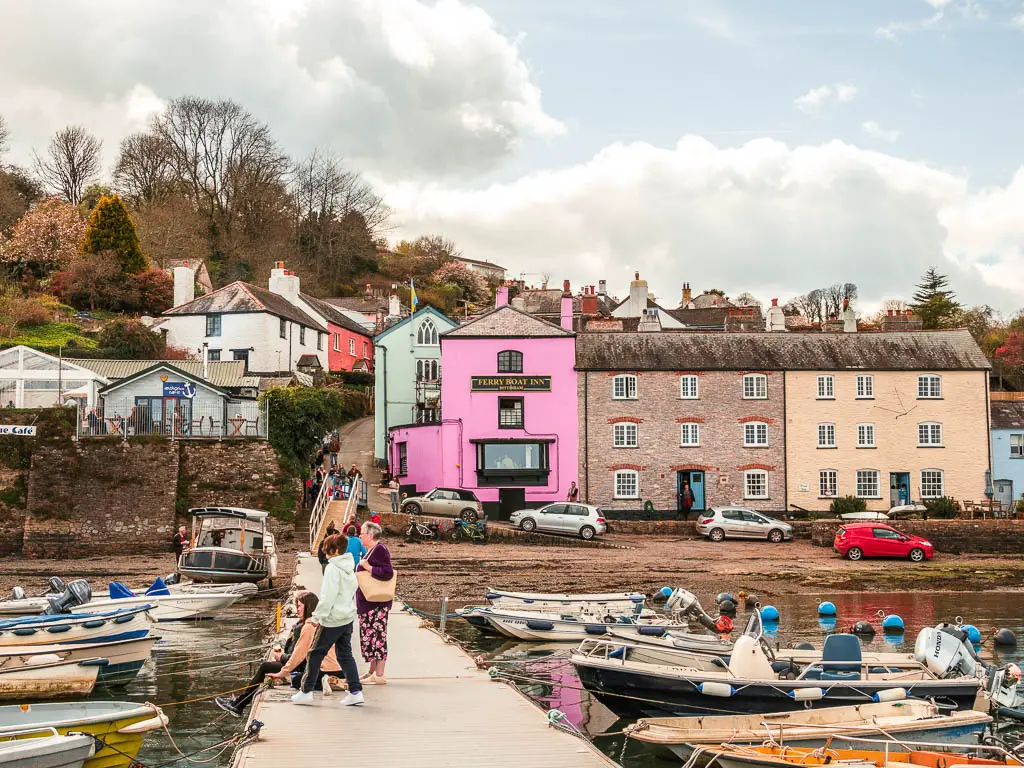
x=438, y=709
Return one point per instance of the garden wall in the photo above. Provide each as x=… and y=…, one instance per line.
x=983, y=537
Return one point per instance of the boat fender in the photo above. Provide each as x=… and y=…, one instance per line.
x=55, y=628
x=146, y=725
x=93, y=623
x=42, y=658
x=827, y=608
x=1004, y=637
x=727, y=606
x=722, y=690
x=24, y=631
x=863, y=628
x=596, y=629
x=723, y=624
x=619, y=653
x=492, y=596
x=770, y=613
x=123, y=619
x=892, y=623
x=972, y=632
x=807, y=694
x=539, y=625
x=651, y=631
x=94, y=663
x=889, y=694
x=1015, y=714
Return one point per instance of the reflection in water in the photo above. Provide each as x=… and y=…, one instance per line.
x=557, y=686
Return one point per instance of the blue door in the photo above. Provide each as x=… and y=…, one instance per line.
x=899, y=488
x=695, y=481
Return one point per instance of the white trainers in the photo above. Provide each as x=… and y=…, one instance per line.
x=326, y=685
x=353, y=700
x=302, y=698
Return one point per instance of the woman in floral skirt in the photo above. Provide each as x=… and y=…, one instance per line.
x=373, y=617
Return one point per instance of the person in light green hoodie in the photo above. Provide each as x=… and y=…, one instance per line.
x=334, y=619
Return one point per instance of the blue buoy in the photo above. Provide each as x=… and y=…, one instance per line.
x=666, y=592
x=770, y=613
x=892, y=623
x=894, y=639
x=721, y=597
x=827, y=623
x=973, y=633
x=826, y=608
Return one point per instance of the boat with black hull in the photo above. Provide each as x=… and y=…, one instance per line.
x=229, y=544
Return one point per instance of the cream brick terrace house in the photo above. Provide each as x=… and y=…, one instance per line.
x=780, y=421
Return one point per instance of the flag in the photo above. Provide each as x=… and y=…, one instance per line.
x=412, y=294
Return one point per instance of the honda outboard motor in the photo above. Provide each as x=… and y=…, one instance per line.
x=947, y=652
x=687, y=604
x=17, y=593
x=55, y=585
x=77, y=593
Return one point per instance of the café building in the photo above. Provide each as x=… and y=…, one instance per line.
x=508, y=428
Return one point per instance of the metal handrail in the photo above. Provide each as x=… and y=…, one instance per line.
x=316, y=515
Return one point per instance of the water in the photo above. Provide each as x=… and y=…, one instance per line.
x=554, y=684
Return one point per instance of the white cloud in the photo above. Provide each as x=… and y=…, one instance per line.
x=396, y=85
x=1018, y=21
x=764, y=217
x=940, y=20
x=877, y=132
x=817, y=99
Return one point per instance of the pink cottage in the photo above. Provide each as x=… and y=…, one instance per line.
x=509, y=425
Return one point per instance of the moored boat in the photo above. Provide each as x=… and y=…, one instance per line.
x=106, y=626
x=229, y=544
x=50, y=750
x=44, y=677
x=124, y=657
x=167, y=606
x=621, y=601
x=563, y=627
x=120, y=725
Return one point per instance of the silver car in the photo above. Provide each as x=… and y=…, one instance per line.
x=581, y=520
x=742, y=523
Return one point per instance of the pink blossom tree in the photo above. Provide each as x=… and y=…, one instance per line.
x=470, y=285
x=46, y=238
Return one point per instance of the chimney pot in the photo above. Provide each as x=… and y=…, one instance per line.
x=566, y=291
x=636, y=275
x=846, y=303
x=910, y=312
x=775, y=302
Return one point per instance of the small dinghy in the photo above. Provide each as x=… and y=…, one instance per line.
x=101, y=627
x=124, y=657
x=48, y=750
x=46, y=676
x=564, y=627
x=120, y=724
x=531, y=601
x=918, y=720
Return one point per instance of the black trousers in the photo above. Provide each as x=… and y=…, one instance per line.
x=341, y=639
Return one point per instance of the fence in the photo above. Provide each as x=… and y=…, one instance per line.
x=176, y=418
x=357, y=496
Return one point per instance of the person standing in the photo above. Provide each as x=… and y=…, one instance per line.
x=180, y=540
x=685, y=499
x=393, y=485
x=333, y=621
x=373, y=616
x=320, y=556
x=574, y=492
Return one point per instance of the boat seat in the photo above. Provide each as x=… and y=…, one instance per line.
x=840, y=659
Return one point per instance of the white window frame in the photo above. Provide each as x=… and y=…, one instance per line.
x=755, y=434
x=635, y=483
x=426, y=334
x=930, y=494
x=758, y=386
x=337, y=342
x=932, y=431
x=865, y=386
x=689, y=434
x=627, y=383
x=352, y=347
x=931, y=385
x=862, y=481
x=826, y=387
x=749, y=475
x=825, y=430
x=1017, y=451
x=625, y=435
x=828, y=483
x=689, y=389
x=866, y=435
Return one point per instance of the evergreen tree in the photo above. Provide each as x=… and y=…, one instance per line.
x=934, y=302
x=111, y=229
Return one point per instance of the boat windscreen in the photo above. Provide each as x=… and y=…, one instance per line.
x=754, y=626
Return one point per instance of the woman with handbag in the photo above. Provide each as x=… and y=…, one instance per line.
x=377, y=578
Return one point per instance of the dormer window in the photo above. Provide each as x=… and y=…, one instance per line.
x=510, y=361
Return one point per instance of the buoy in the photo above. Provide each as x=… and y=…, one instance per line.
x=894, y=639
x=727, y=606
x=803, y=647
x=863, y=628
x=889, y=694
x=972, y=632
x=826, y=608
x=1004, y=637
x=892, y=623
x=721, y=597
x=724, y=625
x=770, y=613
x=665, y=592
x=750, y=601
x=827, y=623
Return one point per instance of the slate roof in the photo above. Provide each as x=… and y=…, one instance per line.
x=359, y=303
x=334, y=316
x=226, y=374
x=1007, y=414
x=491, y=264
x=506, y=322
x=245, y=297
x=717, y=317
x=743, y=351
x=548, y=301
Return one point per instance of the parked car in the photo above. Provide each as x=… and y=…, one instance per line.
x=581, y=520
x=877, y=540
x=83, y=316
x=449, y=502
x=741, y=523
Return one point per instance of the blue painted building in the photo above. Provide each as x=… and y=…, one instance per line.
x=1008, y=450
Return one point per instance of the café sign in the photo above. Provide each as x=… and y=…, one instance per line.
x=510, y=384
x=17, y=429
x=179, y=389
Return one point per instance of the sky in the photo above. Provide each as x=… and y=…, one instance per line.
x=769, y=146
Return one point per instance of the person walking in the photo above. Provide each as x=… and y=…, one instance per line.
x=333, y=621
x=373, y=616
x=574, y=492
x=180, y=540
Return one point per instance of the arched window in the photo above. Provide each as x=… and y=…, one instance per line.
x=426, y=334
x=510, y=361
x=427, y=370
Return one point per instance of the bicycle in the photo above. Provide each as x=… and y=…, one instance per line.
x=475, y=532
x=418, y=530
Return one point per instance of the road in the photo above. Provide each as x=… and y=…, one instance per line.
x=357, y=448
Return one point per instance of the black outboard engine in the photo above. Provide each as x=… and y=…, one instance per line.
x=687, y=604
x=77, y=593
x=56, y=585
x=17, y=593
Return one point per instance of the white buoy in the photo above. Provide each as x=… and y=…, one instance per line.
x=807, y=694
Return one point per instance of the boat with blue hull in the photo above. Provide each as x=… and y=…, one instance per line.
x=73, y=628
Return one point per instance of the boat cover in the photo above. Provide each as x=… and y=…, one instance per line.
x=32, y=620
x=118, y=591
x=158, y=588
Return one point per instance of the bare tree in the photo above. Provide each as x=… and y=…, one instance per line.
x=894, y=305
x=143, y=169
x=812, y=305
x=746, y=299
x=72, y=162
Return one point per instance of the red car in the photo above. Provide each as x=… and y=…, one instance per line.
x=877, y=540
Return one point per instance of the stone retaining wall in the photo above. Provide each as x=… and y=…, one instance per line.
x=983, y=537
x=395, y=525
x=686, y=529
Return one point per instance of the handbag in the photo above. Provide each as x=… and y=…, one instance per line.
x=376, y=590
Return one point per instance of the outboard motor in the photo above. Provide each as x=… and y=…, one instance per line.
x=17, y=593
x=77, y=593
x=687, y=604
x=172, y=579
x=55, y=585
x=947, y=652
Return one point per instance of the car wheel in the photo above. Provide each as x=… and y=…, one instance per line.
x=916, y=555
x=412, y=508
x=529, y=524
x=775, y=536
x=855, y=553
x=469, y=515
x=716, y=534
x=587, y=533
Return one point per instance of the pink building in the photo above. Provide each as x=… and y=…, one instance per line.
x=509, y=425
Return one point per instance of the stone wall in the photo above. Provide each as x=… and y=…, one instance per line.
x=396, y=524
x=983, y=537
x=686, y=529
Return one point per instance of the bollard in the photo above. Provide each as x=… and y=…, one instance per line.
x=444, y=613
x=277, y=622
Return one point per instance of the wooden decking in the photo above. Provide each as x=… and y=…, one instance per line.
x=437, y=710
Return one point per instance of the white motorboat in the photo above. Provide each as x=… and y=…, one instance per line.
x=229, y=545
x=124, y=657
x=851, y=517
x=546, y=601
x=30, y=606
x=566, y=626
x=166, y=607
x=106, y=626
x=47, y=750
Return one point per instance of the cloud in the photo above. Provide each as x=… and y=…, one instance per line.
x=403, y=86
x=940, y=20
x=764, y=217
x=877, y=132
x=816, y=99
x=1018, y=21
